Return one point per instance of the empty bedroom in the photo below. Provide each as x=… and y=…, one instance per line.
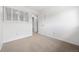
x=39, y=29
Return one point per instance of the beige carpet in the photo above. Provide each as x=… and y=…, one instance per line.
x=39, y=43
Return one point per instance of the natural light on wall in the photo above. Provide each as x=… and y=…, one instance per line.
x=62, y=25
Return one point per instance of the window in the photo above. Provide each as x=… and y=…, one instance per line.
x=26, y=17
x=21, y=16
x=15, y=15
x=7, y=13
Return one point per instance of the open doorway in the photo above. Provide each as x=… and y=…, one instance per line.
x=35, y=24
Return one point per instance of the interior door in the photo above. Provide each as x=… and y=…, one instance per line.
x=35, y=24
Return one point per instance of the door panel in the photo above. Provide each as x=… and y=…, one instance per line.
x=35, y=24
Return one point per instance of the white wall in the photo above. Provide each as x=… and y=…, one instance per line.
x=1, y=33
x=63, y=26
x=13, y=30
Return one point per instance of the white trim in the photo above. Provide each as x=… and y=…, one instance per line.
x=60, y=39
x=65, y=41
x=17, y=38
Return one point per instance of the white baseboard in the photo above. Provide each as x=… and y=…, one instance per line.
x=16, y=38
x=64, y=40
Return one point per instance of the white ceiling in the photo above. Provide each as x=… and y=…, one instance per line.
x=47, y=10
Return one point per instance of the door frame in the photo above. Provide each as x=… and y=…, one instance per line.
x=33, y=24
